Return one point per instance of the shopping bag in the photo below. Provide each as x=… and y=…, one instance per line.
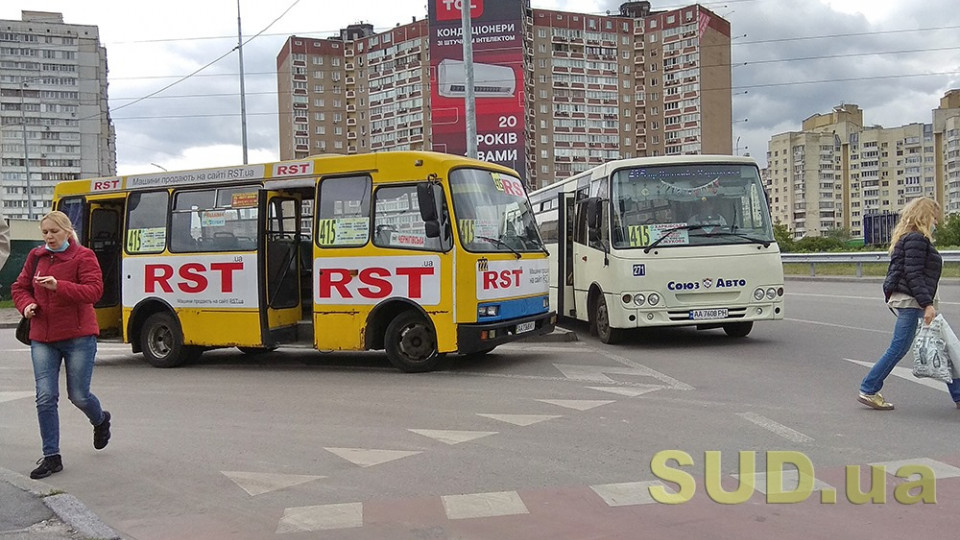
x=930, y=356
x=953, y=348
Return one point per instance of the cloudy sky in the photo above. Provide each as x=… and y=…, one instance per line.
x=791, y=59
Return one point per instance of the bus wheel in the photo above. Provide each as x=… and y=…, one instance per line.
x=411, y=344
x=162, y=342
x=602, y=317
x=740, y=329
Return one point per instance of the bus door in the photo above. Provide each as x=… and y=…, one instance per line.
x=566, y=306
x=105, y=225
x=280, y=266
x=590, y=251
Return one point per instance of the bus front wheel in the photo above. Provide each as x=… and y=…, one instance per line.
x=605, y=332
x=411, y=344
x=740, y=329
x=162, y=342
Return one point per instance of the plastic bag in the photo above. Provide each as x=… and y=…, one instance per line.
x=931, y=358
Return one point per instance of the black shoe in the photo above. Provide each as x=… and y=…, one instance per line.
x=47, y=466
x=101, y=432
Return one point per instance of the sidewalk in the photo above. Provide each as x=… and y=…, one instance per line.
x=9, y=317
x=33, y=510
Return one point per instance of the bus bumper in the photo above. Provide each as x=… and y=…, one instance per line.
x=480, y=337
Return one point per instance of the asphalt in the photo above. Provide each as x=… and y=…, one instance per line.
x=34, y=510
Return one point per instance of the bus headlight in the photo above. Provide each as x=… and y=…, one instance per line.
x=638, y=299
x=758, y=294
x=771, y=293
x=653, y=299
x=488, y=311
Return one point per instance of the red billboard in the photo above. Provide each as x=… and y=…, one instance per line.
x=497, y=30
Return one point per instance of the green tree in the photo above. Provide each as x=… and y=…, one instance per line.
x=948, y=232
x=783, y=237
x=840, y=233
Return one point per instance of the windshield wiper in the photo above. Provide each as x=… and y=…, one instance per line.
x=499, y=242
x=665, y=234
x=763, y=242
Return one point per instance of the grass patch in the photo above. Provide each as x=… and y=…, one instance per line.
x=877, y=269
x=6, y=304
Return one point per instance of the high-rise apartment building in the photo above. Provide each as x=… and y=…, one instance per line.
x=836, y=170
x=53, y=110
x=557, y=92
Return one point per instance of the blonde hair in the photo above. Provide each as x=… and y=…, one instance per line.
x=917, y=216
x=61, y=220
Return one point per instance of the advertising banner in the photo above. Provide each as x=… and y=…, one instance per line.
x=497, y=29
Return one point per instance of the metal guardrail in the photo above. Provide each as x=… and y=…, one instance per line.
x=857, y=257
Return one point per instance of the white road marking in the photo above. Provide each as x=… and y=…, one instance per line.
x=475, y=505
x=452, y=437
x=907, y=373
x=10, y=396
x=257, y=483
x=777, y=428
x=790, y=481
x=367, y=457
x=646, y=371
x=940, y=469
x=628, y=493
x=629, y=392
x=878, y=298
x=840, y=326
x=521, y=419
x=577, y=404
x=320, y=518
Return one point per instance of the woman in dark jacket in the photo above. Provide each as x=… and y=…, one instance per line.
x=56, y=290
x=910, y=289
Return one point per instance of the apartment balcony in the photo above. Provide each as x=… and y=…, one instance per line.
x=351, y=135
x=351, y=108
x=349, y=66
x=351, y=121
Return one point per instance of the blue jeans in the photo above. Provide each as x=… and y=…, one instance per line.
x=903, y=333
x=78, y=356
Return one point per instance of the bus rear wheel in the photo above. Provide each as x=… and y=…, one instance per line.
x=411, y=344
x=605, y=332
x=740, y=329
x=162, y=342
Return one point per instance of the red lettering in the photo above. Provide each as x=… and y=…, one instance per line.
x=516, y=274
x=226, y=274
x=505, y=279
x=415, y=279
x=327, y=282
x=374, y=278
x=100, y=185
x=192, y=273
x=489, y=280
x=157, y=274
x=300, y=168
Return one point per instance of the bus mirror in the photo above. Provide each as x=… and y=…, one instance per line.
x=427, y=202
x=431, y=229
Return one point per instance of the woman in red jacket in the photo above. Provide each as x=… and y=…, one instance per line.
x=56, y=290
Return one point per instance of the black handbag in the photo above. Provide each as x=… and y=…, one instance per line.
x=23, y=327
x=23, y=331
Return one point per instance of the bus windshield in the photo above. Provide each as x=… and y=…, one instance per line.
x=492, y=212
x=686, y=205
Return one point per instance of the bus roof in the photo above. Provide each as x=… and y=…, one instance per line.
x=310, y=167
x=609, y=167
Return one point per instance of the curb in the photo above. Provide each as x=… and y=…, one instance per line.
x=67, y=508
x=5, y=325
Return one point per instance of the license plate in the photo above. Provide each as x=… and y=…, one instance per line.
x=700, y=314
x=526, y=327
